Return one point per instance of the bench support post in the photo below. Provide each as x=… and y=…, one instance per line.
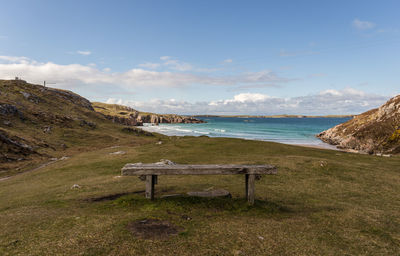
x=150, y=181
x=250, y=187
x=246, y=189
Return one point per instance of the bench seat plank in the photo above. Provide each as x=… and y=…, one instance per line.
x=208, y=169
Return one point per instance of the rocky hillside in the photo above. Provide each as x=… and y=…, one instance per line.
x=375, y=131
x=128, y=116
x=39, y=123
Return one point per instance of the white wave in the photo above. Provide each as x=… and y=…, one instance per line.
x=184, y=130
x=219, y=130
x=201, y=132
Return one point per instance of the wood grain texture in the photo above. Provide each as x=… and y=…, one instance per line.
x=208, y=169
x=246, y=183
x=251, y=188
x=150, y=180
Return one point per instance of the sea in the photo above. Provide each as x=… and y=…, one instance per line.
x=297, y=131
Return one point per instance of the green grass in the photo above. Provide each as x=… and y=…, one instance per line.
x=321, y=202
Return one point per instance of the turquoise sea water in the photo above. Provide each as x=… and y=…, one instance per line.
x=283, y=130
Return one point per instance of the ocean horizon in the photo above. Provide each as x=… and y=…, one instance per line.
x=295, y=131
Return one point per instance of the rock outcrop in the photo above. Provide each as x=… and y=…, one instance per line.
x=131, y=117
x=375, y=131
x=13, y=149
x=37, y=121
x=169, y=119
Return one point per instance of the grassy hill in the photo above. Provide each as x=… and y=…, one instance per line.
x=39, y=123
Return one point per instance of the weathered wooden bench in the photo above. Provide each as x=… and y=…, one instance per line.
x=151, y=171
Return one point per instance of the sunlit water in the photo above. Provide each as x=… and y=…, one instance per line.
x=284, y=130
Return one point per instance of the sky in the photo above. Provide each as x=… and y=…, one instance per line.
x=209, y=57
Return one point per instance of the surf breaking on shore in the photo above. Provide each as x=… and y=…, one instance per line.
x=301, y=133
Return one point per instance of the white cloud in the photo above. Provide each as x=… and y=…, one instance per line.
x=363, y=25
x=84, y=53
x=77, y=75
x=252, y=97
x=347, y=101
x=177, y=65
x=228, y=61
x=168, y=62
x=150, y=65
x=165, y=57
x=15, y=59
x=331, y=92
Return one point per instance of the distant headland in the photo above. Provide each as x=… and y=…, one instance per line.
x=276, y=116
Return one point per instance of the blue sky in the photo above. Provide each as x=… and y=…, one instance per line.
x=227, y=57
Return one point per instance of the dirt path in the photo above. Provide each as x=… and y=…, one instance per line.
x=31, y=170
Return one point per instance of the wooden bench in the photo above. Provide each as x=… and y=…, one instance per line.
x=151, y=171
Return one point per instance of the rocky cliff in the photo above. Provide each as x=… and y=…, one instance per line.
x=128, y=116
x=375, y=131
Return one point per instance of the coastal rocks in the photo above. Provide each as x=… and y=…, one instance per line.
x=128, y=121
x=167, y=119
x=131, y=117
x=375, y=131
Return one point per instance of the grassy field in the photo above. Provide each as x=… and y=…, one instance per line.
x=322, y=202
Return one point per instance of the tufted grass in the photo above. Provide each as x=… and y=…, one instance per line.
x=322, y=202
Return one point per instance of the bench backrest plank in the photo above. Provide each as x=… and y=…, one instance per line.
x=184, y=169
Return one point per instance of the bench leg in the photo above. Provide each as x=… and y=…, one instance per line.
x=150, y=181
x=246, y=182
x=250, y=187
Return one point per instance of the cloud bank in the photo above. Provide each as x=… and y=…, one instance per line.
x=347, y=101
x=77, y=74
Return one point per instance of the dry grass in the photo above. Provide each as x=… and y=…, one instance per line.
x=321, y=202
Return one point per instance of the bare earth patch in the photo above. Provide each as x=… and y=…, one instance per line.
x=153, y=229
x=112, y=196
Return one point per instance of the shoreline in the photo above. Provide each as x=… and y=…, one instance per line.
x=321, y=145
x=327, y=146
